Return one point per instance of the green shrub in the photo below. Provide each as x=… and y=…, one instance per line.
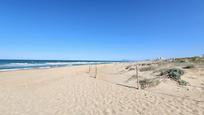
x=194, y=59
x=148, y=83
x=146, y=69
x=182, y=82
x=130, y=68
x=181, y=60
x=175, y=74
x=163, y=72
x=189, y=67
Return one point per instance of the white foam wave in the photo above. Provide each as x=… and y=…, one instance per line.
x=46, y=64
x=3, y=70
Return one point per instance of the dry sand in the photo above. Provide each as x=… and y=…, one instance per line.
x=74, y=91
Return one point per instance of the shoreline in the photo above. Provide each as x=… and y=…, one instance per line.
x=13, y=65
x=38, y=68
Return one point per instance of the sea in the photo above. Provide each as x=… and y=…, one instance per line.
x=11, y=65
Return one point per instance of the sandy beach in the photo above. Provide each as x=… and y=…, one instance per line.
x=101, y=57
x=75, y=91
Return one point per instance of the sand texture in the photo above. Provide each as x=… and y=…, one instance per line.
x=74, y=91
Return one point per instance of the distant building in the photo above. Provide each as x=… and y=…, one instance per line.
x=170, y=60
x=159, y=59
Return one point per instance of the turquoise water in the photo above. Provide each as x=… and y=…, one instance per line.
x=8, y=65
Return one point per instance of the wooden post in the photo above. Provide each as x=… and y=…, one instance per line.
x=96, y=71
x=137, y=76
x=89, y=68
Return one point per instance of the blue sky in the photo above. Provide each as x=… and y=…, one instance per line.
x=101, y=29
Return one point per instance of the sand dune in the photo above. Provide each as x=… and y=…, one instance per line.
x=74, y=91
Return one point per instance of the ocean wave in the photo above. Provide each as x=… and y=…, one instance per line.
x=23, y=66
x=12, y=65
x=31, y=64
x=3, y=70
